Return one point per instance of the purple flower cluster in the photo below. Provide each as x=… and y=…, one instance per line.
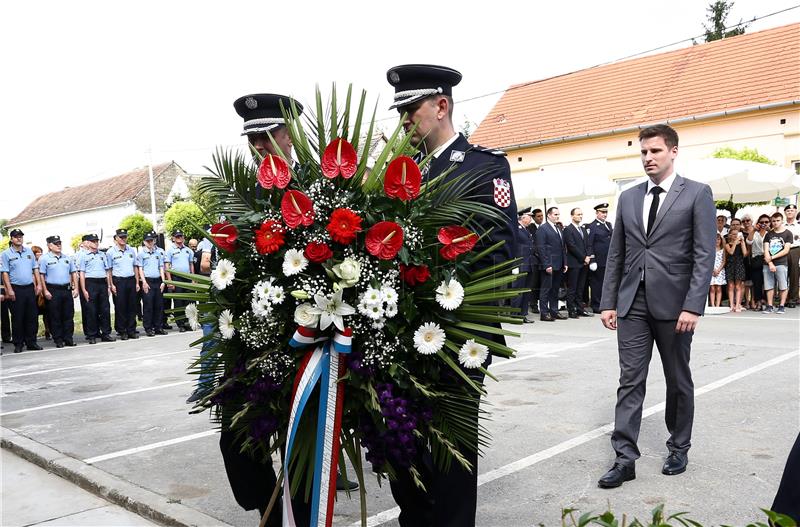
x=397, y=443
x=233, y=390
x=263, y=426
x=262, y=390
x=355, y=363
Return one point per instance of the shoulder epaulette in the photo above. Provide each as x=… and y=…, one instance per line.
x=493, y=151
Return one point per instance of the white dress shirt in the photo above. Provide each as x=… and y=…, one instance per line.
x=648, y=197
x=444, y=146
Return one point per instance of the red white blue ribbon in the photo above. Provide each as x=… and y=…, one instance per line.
x=324, y=365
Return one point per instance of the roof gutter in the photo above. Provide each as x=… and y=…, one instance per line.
x=681, y=120
x=16, y=223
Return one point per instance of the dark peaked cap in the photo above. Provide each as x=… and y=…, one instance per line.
x=262, y=111
x=413, y=82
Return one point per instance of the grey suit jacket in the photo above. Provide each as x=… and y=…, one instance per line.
x=677, y=258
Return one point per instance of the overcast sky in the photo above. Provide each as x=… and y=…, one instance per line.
x=89, y=87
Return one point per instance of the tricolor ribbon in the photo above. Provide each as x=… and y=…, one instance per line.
x=323, y=364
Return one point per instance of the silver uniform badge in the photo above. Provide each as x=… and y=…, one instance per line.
x=394, y=77
x=457, y=156
x=251, y=103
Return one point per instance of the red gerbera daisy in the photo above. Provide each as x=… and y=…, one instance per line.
x=402, y=179
x=339, y=158
x=344, y=226
x=384, y=240
x=269, y=237
x=225, y=235
x=297, y=209
x=273, y=171
x=456, y=240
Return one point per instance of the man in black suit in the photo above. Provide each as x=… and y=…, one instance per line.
x=525, y=251
x=577, y=242
x=552, y=265
x=599, y=232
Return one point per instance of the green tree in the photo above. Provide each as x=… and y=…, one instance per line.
x=137, y=226
x=745, y=154
x=717, y=13
x=186, y=216
x=3, y=230
x=75, y=241
x=204, y=200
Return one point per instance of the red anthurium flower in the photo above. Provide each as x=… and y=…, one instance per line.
x=269, y=237
x=402, y=179
x=414, y=274
x=225, y=234
x=274, y=171
x=456, y=240
x=344, y=226
x=297, y=209
x=384, y=240
x=339, y=158
x=318, y=252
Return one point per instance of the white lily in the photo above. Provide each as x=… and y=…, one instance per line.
x=331, y=310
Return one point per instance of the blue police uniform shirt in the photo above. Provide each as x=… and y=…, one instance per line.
x=121, y=262
x=19, y=265
x=56, y=269
x=93, y=264
x=180, y=258
x=151, y=262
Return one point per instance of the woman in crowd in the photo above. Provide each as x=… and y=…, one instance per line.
x=718, y=275
x=755, y=241
x=736, y=250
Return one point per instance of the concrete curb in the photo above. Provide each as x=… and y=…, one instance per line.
x=136, y=499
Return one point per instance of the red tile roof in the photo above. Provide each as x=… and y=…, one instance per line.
x=103, y=193
x=751, y=69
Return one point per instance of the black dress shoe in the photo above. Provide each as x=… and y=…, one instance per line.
x=535, y=310
x=547, y=318
x=160, y=332
x=559, y=316
x=150, y=333
x=133, y=335
x=586, y=314
x=573, y=315
x=92, y=340
x=181, y=329
x=107, y=338
x=69, y=343
x=675, y=464
x=343, y=484
x=615, y=477
x=59, y=344
x=124, y=336
x=166, y=326
x=33, y=347
x=18, y=349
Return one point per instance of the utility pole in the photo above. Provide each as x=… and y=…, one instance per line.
x=152, y=188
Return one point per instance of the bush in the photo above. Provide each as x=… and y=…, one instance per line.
x=75, y=241
x=187, y=217
x=137, y=225
x=658, y=518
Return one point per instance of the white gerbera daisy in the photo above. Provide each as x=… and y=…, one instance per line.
x=223, y=275
x=450, y=294
x=472, y=354
x=429, y=338
x=276, y=294
x=226, y=327
x=372, y=296
x=388, y=294
x=294, y=262
x=378, y=324
x=262, y=289
x=261, y=307
x=375, y=311
x=390, y=311
x=192, y=316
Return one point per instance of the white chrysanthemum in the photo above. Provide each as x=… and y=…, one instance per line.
x=372, y=296
x=192, y=316
x=262, y=289
x=374, y=311
x=261, y=307
x=276, y=294
x=388, y=294
x=390, y=311
x=450, y=294
x=472, y=354
x=305, y=317
x=226, y=327
x=223, y=275
x=378, y=324
x=429, y=338
x=294, y=262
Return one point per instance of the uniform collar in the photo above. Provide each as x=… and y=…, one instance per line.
x=445, y=145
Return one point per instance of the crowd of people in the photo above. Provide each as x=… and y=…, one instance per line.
x=46, y=284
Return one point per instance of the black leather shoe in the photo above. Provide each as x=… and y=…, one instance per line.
x=124, y=336
x=343, y=484
x=18, y=349
x=675, y=464
x=92, y=340
x=33, y=347
x=559, y=316
x=586, y=314
x=573, y=315
x=181, y=329
x=615, y=477
x=150, y=333
x=547, y=318
x=166, y=326
x=59, y=344
x=529, y=319
x=107, y=338
x=69, y=343
x=535, y=310
x=160, y=332
x=133, y=335
x=196, y=396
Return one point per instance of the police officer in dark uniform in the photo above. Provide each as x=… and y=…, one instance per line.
x=180, y=258
x=599, y=241
x=95, y=276
x=424, y=94
x=525, y=242
x=21, y=280
x=150, y=262
x=60, y=287
x=124, y=286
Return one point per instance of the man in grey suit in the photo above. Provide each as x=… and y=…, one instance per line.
x=654, y=291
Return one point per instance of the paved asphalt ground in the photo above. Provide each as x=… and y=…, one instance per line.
x=117, y=411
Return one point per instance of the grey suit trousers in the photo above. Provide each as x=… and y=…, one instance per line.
x=636, y=333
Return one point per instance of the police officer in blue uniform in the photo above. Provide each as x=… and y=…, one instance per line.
x=95, y=276
x=423, y=93
x=179, y=258
x=59, y=286
x=150, y=261
x=124, y=286
x=21, y=281
x=599, y=241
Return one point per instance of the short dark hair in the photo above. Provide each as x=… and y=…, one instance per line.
x=536, y=211
x=572, y=212
x=763, y=216
x=666, y=132
x=551, y=209
x=776, y=215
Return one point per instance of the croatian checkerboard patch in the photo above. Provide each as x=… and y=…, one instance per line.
x=502, y=192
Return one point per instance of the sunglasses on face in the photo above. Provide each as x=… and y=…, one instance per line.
x=763, y=223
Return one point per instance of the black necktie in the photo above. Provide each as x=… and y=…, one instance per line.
x=651, y=217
